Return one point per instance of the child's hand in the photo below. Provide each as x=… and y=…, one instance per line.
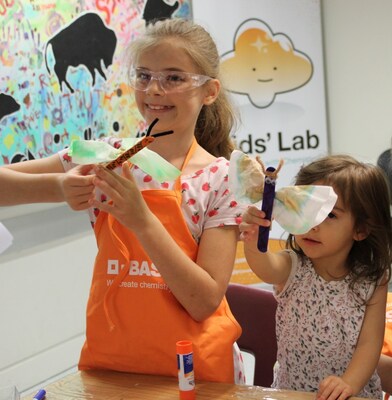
x=127, y=204
x=334, y=387
x=251, y=220
x=77, y=187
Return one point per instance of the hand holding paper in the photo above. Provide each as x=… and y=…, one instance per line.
x=133, y=149
x=297, y=209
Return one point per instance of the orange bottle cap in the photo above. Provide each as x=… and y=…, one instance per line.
x=184, y=347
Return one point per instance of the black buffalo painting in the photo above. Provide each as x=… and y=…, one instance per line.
x=8, y=105
x=86, y=41
x=155, y=10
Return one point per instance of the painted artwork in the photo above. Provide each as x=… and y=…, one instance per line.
x=63, y=71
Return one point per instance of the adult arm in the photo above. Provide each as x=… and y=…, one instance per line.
x=44, y=181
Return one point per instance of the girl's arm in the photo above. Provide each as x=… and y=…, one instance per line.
x=366, y=354
x=270, y=267
x=199, y=286
x=43, y=181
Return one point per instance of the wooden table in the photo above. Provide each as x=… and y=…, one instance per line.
x=109, y=385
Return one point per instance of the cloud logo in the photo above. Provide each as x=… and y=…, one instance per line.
x=262, y=65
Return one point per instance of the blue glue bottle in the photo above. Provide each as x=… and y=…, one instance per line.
x=186, y=377
x=40, y=395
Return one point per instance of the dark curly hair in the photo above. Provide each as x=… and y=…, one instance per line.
x=364, y=191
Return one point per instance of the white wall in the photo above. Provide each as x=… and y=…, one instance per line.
x=358, y=60
x=44, y=284
x=43, y=289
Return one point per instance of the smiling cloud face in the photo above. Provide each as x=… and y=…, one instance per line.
x=263, y=65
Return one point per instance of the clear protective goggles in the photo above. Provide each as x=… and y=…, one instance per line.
x=169, y=81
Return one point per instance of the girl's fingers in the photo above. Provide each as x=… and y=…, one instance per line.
x=101, y=171
x=255, y=220
x=105, y=187
x=116, y=187
x=110, y=177
x=115, y=180
x=253, y=214
x=126, y=171
x=106, y=207
x=110, y=183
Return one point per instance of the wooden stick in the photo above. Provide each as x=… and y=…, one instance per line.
x=129, y=153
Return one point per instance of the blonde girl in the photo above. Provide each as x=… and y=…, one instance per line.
x=157, y=278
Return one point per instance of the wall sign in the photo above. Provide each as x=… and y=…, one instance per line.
x=272, y=62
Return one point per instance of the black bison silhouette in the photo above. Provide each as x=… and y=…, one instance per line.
x=19, y=157
x=155, y=10
x=87, y=41
x=8, y=105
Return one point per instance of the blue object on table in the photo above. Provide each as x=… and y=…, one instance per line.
x=40, y=395
x=267, y=206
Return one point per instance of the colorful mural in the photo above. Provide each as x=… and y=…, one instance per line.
x=63, y=72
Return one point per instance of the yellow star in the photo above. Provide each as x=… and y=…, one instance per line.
x=258, y=44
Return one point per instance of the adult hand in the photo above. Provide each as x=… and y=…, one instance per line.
x=77, y=187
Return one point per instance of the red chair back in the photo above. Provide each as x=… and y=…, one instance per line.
x=254, y=309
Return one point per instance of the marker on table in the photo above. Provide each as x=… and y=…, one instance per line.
x=40, y=395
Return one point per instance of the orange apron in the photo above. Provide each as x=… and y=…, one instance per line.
x=387, y=348
x=133, y=319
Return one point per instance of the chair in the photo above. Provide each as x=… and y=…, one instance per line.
x=384, y=161
x=254, y=309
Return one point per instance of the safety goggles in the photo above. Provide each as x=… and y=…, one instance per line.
x=169, y=81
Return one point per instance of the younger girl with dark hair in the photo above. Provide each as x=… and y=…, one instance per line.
x=331, y=284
